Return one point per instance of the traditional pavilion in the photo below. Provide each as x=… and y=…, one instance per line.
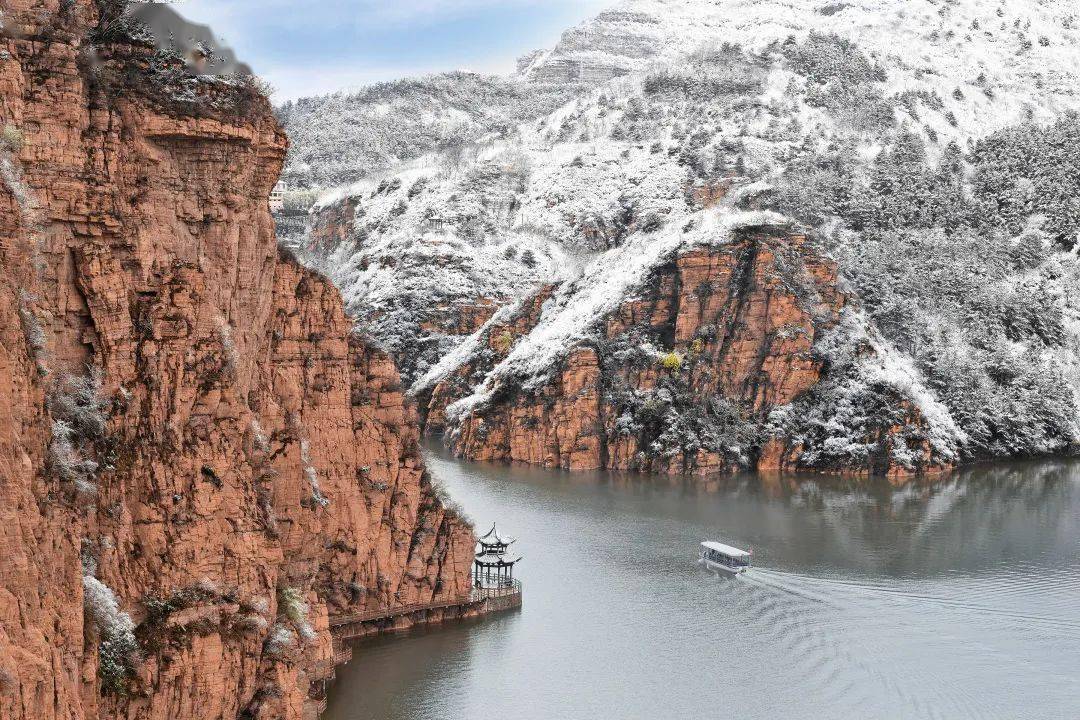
x=492, y=567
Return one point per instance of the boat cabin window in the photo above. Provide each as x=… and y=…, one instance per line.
x=718, y=557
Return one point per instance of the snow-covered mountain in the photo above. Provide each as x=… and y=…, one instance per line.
x=1006, y=57
x=932, y=146
x=343, y=137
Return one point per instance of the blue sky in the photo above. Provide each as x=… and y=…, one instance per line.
x=316, y=46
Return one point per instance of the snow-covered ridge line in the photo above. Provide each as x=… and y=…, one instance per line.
x=570, y=316
x=1025, y=51
x=889, y=367
x=465, y=351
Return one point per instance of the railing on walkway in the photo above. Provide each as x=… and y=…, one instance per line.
x=342, y=655
x=386, y=613
x=503, y=588
x=316, y=700
x=476, y=596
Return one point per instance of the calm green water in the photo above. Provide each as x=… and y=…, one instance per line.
x=955, y=600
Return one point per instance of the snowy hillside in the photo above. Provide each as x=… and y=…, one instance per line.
x=343, y=137
x=933, y=146
x=1005, y=57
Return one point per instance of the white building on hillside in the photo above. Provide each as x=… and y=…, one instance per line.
x=277, y=196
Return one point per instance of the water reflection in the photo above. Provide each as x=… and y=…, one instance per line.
x=958, y=598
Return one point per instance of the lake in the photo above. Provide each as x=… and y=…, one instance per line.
x=952, y=599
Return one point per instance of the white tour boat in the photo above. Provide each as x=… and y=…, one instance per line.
x=718, y=556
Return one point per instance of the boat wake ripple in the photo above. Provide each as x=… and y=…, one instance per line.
x=843, y=633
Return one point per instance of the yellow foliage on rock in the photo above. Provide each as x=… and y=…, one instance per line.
x=672, y=361
x=503, y=342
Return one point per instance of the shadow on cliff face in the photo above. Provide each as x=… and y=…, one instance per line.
x=205, y=53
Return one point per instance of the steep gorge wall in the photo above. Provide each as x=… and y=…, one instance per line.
x=683, y=377
x=231, y=463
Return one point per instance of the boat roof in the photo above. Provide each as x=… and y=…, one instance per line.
x=725, y=549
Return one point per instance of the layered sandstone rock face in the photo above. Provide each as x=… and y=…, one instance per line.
x=330, y=227
x=684, y=377
x=190, y=431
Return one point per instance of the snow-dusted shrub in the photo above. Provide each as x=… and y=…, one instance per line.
x=417, y=187
x=913, y=100
x=255, y=604
x=69, y=464
x=79, y=401
x=280, y=639
x=78, y=408
x=312, y=476
x=116, y=24
x=160, y=607
x=206, y=587
x=118, y=651
x=456, y=510
x=250, y=623
x=316, y=492
x=228, y=348
x=258, y=437
x=11, y=139
x=1030, y=251
x=291, y=604
x=13, y=180
x=452, y=507
x=88, y=557
x=33, y=332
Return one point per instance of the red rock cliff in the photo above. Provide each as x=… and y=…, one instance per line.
x=196, y=454
x=683, y=378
